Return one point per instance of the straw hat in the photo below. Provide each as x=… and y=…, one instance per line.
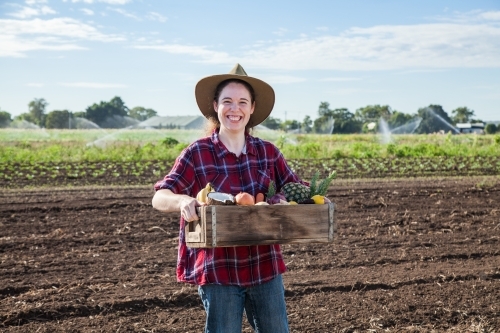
x=264, y=94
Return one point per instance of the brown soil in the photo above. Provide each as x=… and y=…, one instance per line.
x=419, y=255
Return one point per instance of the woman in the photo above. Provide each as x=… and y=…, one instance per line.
x=230, y=279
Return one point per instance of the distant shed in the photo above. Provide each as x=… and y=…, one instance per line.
x=172, y=122
x=477, y=128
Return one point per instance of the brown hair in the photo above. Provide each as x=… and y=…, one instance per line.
x=223, y=85
x=213, y=122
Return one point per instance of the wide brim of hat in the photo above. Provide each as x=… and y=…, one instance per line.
x=264, y=96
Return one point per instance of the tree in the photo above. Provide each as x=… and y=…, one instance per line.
x=140, y=113
x=324, y=109
x=434, y=119
x=491, y=128
x=325, y=118
x=307, y=124
x=290, y=125
x=373, y=113
x=5, y=119
x=272, y=123
x=79, y=114
x=462, y=115
x=344, y=121
x=37, y=110
x=399, y=119
x=107, y=114
x=57, y=119
x=25, y=116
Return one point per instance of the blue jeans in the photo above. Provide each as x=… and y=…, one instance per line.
x=264, y=306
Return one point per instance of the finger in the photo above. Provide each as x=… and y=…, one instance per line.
x=189, y=214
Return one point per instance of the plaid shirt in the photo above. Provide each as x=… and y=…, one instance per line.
x=208, y=160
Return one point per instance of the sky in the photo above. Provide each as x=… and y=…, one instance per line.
x=405, y=54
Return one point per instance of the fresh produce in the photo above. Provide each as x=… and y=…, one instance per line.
x=244, y=199
x=322, y=188
x=219, y=198
x=274, y=198
x=300, y=193
x=318, y=199
x=259, y=198
x=262, y=203
x=202, y=195
x=282, y=202
x=295, y=192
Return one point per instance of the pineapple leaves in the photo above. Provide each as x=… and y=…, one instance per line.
x=312, y=184
x=323, y=186
x=271, y=189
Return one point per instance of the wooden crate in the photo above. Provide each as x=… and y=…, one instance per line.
x=220, y=226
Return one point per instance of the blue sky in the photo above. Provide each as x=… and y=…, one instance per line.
x=405, y=54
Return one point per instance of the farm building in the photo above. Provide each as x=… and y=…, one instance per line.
x=477, y=128
x=179, y=122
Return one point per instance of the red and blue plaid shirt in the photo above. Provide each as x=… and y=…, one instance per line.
x=208, y=160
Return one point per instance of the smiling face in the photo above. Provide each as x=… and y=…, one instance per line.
x=234, y=107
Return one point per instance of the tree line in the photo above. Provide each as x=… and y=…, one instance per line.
x=433, y=118
x=104, y=114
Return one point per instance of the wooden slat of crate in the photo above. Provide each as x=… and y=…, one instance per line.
x=251, y=225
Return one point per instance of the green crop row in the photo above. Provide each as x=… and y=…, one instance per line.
x=64, y=146
x=16, y=175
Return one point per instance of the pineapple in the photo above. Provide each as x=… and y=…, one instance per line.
x=299, y=193
x=295, y=192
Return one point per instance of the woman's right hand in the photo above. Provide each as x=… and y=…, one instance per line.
x=168, y=202
x=188, y=208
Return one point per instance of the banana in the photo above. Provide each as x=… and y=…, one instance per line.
x=202, y=195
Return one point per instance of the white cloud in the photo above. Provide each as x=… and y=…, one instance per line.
x=340, y=79
x=413, y=71
x=13, y=46
x=27, y=12
x=87, y=11
x=35, y=84
x=280, y=32
x=441, y=45
x=64, y=27
x=59, y=34
x=125, y=13
x=156, y=17
x=354, y=91
x=93, y=85
x=109, y=2
x=34, y=2
x=494, y=16
x=283, y=79
x=474, y=16
x=195, y=51
x=429, y=46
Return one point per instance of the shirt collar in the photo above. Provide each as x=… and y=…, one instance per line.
x=222, y=150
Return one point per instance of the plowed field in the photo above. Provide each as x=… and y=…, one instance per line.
x=420, y=255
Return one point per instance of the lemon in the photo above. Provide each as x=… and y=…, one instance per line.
x=293, y=203
x=318, y=199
